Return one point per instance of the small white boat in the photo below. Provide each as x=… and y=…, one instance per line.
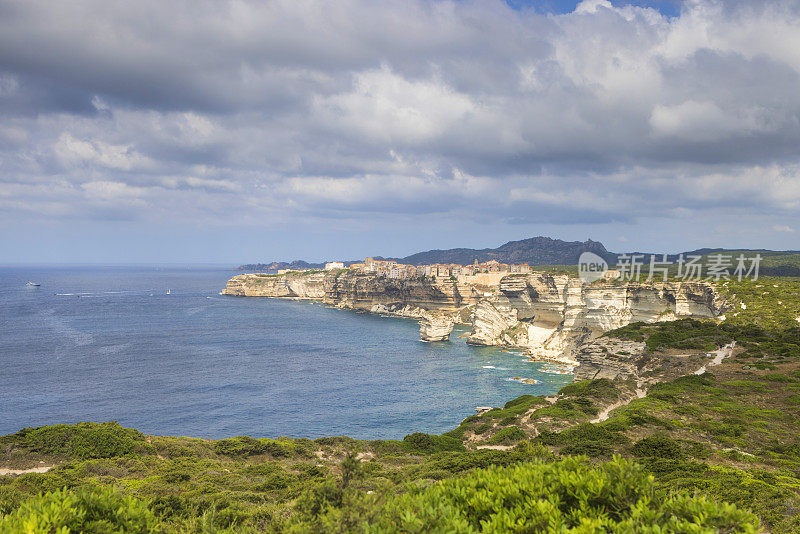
x=169, y=292
x=33, y=284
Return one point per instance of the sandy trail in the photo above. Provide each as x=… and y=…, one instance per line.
x=41, y=469
x=720, y=355
x=602, y=416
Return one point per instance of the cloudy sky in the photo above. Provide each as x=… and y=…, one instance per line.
x=213, y=131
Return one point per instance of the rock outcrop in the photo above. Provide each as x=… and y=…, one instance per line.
x=609, y=358
x=362, y=291
x=551, y=315
x=435, y=327
x=620, y=359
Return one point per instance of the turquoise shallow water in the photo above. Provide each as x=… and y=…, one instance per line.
x=101, y=344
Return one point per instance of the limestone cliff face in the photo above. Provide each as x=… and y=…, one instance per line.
x=365, y=291
x=551, y=315
x=292, y=285
x=359, y=291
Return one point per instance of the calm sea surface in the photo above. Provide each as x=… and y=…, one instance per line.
x=103, y=344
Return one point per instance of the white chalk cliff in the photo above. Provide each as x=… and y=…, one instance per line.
x=551, y=315
x=546, y=314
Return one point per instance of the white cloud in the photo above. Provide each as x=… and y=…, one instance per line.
x=701, y=121
x=225, y=185
x=71, y=151
x=249, y=111
x=385, y=106
x=104, y=190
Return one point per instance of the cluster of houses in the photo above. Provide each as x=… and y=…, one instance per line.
x=392, y=269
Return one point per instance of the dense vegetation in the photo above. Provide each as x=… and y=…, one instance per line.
x=691, y=334
x=502, y=492
x=732, y=436
x=772, y=303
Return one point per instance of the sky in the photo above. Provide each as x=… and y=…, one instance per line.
x=243, y=131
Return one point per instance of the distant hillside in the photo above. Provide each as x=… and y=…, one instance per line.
x=773, y=262
x=547, y=251
x=535, y=251
x=781, y=265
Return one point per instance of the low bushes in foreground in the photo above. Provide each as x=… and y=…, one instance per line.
x=82, y=510
x=571, y=495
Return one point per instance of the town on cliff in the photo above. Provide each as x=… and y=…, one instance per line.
x=392, y=269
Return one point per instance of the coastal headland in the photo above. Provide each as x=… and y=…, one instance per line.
x=546, y=314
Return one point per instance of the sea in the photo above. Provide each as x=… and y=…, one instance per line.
x=157, y=348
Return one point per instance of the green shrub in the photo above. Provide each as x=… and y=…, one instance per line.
x=572, y=493
x=658, y=446
x=692, y=411
x=508, y=435
x=276, y=481
x=526, y=400
x=727, y=427
x=240, y=446
x=427, y=443
x=337, y=441
x=793, y=400
x=84, y=440
x=601, y=389
x=176, y=476
x=777, y=377
x=570, y=409
x=82, y=510
x=594, y=449
x=585, y=432
x=279, y=449
x=244, y=446
x=481, y=428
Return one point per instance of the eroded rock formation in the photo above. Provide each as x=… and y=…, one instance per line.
x=551, y=315
x=435, y=327
x=364, y=291
x=609, y=358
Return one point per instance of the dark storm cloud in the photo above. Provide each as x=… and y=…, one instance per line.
x=255, y=111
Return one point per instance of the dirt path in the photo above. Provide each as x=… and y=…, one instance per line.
x=41, y=469
x=720, y=355
x=602, y=416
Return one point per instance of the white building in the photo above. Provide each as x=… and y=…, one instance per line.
x=334, y=265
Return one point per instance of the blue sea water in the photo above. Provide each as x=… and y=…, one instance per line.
x=103, y=344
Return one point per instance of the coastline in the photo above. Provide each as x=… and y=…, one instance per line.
x=549, y=316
